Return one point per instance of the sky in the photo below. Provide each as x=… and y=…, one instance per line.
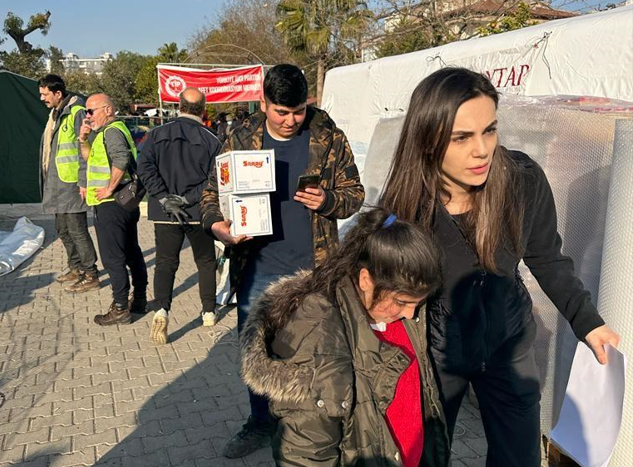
x=90, y=28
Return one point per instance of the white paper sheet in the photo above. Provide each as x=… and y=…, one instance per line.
x=590, y=418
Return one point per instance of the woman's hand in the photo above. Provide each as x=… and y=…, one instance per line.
x=598, y=338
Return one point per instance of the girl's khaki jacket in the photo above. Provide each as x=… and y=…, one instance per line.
x=330, y=380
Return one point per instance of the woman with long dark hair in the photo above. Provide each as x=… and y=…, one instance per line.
x=487, y=208
x=341, y=354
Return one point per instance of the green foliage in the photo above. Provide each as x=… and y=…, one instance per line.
x=146, y=89
x=323, y=29
x=521, y=18
x=169, y=53
x=82, y=83
x=328, y=32
x=29, y=64
x=14, y=24
x=55, y=55
x=118, y=79
x=26, y=60
x=404, y=38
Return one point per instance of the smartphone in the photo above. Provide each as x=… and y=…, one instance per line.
x=307, y=181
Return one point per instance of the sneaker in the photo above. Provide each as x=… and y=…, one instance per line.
x=86, y=282
x=253, y=436
x=117, y=314
x=137, y=305
x=71, y=276
x=158, y=333
x=208, y=318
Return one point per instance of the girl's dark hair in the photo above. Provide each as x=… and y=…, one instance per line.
x=496, y=215
x=399, y=256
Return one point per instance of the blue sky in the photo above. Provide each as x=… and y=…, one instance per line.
x=113, y=25
x=136, y=25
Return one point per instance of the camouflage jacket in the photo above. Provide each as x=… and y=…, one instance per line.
x=330, y=157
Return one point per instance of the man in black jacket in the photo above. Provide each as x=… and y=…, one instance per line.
x=174, y=166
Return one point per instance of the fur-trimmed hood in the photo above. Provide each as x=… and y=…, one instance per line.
x=279, y=380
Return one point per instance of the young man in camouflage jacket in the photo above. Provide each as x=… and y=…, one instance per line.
x=306, y=141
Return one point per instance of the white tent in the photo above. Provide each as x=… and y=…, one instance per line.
x=590, y=55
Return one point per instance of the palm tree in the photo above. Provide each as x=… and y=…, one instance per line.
x=169, y=53
x=328, y=31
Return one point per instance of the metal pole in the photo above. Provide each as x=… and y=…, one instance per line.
x=160, y=99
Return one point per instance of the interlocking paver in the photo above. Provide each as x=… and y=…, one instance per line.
x=38, y=423
x=203, y=449
x=173, y=439
x=84, y=457
x=110, y=397
x=109, y=437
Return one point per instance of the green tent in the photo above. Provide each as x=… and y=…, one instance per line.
x=22, y=121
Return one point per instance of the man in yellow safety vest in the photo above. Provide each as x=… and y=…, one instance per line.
x=107, y=145
x=63, y=183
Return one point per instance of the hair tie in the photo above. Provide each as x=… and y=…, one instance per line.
x=389, y=221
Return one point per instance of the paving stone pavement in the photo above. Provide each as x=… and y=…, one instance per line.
x=76, y=394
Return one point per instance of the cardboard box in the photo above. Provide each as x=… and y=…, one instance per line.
x=250, y=214
x=245, y=172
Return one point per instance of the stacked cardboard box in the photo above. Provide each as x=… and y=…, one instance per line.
x=245, y=179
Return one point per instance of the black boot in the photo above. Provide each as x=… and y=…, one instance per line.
x=137, y=304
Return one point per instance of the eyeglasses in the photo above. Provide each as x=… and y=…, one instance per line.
x=92, y=111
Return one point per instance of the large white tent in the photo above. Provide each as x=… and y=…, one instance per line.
x=590, y=55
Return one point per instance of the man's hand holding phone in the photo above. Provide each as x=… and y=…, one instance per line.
x=84, y=131
x=309, y=193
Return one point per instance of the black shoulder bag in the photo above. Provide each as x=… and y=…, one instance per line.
x=130, y=194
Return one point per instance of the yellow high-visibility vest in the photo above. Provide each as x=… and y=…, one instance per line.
x=67, y=156
x=98, y=173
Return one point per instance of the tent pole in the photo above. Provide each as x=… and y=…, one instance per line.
x=160, y=100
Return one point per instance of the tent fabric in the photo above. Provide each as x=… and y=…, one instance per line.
x=22, y=121
x=589, y=55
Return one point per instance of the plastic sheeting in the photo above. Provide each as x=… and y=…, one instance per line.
x=575, y=146
x=19, y=245
x=616, y=277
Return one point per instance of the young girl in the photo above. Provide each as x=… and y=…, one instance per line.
x=487, y=209
x=342, y=355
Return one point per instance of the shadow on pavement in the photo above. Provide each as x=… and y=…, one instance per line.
x=191, y=418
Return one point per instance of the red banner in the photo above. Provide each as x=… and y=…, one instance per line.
x=231, y=85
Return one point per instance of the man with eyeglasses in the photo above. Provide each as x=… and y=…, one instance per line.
x=63, y=183
x=107, y=145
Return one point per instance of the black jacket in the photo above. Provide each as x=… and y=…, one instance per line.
x=476, y=311
x=176, y=159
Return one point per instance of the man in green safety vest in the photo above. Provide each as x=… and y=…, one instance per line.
x=63, y=183
x=108, y=147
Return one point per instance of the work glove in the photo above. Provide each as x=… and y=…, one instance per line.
x=173, y=206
